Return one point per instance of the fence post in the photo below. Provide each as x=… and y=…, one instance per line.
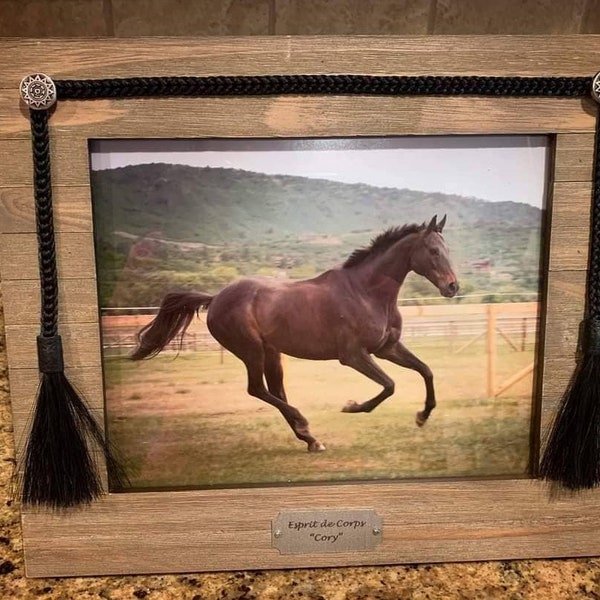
x=491, y=350
x=451, y=336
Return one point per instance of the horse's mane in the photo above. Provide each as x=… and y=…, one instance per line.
x=382, y=242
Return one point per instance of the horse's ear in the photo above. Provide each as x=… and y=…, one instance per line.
x=432, y=225
x=440, y=225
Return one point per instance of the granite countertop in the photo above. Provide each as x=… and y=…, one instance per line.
x=535, y=579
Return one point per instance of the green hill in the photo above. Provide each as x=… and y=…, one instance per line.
x=216, y=205
x=217, y=224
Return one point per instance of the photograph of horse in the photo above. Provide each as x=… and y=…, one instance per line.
x=347, y=313
x=380, y=275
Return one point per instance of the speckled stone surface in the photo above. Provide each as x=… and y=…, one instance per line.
x=537, y=580
x=543, y=580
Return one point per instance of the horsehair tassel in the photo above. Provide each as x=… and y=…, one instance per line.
x=572, y=454
x=59, y=470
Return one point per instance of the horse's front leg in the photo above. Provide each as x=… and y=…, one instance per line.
x=401, y=355
x=361, y=360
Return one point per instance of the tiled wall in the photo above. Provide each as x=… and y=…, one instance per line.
x=127, y=18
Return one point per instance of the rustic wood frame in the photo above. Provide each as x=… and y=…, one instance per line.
x=425, y=521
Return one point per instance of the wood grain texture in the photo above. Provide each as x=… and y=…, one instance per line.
x=565, y=301
x=15, y=171
x=574, y=157
x=230, y=529
x=571, y=207
x=564, y=312
x=18, y=256
x=569, y=247
x=557, y=372
x=64, y=150
x=571, y=203
x=293, y=116
x=192, y=530
x=78, y=301
x=417, y=55
x=71, y=207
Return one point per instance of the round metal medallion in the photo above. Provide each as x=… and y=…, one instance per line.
x=596, y=87
x=38, y=91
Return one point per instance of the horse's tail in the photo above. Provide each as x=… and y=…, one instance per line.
x=174, y=317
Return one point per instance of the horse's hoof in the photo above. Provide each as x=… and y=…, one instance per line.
x=351, y=407
x=420, y=420
x=316, y=447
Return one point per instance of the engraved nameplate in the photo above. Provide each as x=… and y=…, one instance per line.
x=318, y=531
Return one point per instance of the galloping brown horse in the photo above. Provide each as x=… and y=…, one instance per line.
x=347, y=313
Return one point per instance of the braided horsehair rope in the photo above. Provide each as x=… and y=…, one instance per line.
x=40, y=93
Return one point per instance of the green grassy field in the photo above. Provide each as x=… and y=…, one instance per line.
x=188, y=421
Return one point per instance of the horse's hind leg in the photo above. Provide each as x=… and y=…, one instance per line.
x=255, y=366
x=231, y=323
x=401, y=355
x=274, y=372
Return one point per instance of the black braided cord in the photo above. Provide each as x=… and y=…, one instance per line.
x=45, y=224
x=272, y=85
x=592, y=339
x=139, y=87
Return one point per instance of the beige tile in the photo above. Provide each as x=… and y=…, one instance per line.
x=508, y=16
x=591, y=18
x=190, y=17
x=52, y=18
x=368, y=17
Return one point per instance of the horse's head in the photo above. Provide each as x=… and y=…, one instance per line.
x=431, y=259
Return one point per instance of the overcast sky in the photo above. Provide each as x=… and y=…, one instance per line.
x=492, y=168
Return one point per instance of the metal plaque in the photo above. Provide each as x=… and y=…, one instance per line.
x=319, y=531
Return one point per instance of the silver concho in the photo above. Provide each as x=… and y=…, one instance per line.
x=38, y=91
x=596, y=87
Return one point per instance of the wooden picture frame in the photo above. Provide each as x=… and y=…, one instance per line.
x=423, y=521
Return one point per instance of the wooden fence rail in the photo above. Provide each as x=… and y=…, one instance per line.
x=458, y=326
